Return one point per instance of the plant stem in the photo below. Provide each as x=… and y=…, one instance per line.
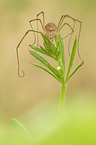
x=62, y=99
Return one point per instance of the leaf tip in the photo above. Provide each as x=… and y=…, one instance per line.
x=29, y=51
x=75, y=40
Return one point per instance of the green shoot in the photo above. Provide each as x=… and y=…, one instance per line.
x=56, y=51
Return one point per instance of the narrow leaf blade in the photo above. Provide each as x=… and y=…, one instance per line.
x=47, y=53
x=39, y=57
x=61, y=46
x=42, y=50
x=75, y=70
x=72, y=57
x=37, y=49
x=44, y=37
x=58, y=51
x=46, y=63
x=45, y=70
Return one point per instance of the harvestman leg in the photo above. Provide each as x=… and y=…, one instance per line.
x=37, y=29
x=70, y=39
x=37, y=20
x=18, y=54
x=43, y=18
x=43, y=25
x=60, y=25
x=67, y=16
x=69, y=27
x=33, y=33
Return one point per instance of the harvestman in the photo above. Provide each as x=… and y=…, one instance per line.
x=50, y=30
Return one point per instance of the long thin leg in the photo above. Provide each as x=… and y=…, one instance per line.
x=70, y=39
x=60, y=25
x=69, y=27
x=64, y=25
x=43, y=18
x=78, y=35
x=18, y=54
x=43, y=25
x=61, y=20
x=37, y=20
x=37, y=34
x=67, y=16
x=68, y=35
x=33, y=33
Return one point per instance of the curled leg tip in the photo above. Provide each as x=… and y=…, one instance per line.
x=23, y=74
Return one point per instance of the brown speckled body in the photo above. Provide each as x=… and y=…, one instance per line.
x=50, y=30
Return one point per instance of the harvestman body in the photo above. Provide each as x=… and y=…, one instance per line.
x=50, y=30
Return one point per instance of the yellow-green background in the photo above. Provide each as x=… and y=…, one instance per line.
x=18, y=96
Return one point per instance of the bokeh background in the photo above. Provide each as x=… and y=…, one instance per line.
x=21, y=96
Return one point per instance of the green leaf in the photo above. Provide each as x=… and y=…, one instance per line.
x=39, y=57
x=48, y=53
x=56, y=72
x=43, y=51
x=44, y=37
x=72, y=57
x=48, y=44
x=62, y=52
x=37, y=49
x=75, y=70
x=57, y=41
x=20, y=128
x=45, y=70
x=48, y=48
x=46, y=63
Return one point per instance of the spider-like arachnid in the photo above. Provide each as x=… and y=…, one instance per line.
x=50, y=30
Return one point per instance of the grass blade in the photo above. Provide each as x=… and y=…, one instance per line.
x=75, y=70
x=45, y=70
x=72, y=57
x=20, y=128
x=46, y=63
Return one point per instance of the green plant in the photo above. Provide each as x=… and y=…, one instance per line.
x=56, y=51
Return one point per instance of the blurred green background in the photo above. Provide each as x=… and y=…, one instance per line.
x=18, y=96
